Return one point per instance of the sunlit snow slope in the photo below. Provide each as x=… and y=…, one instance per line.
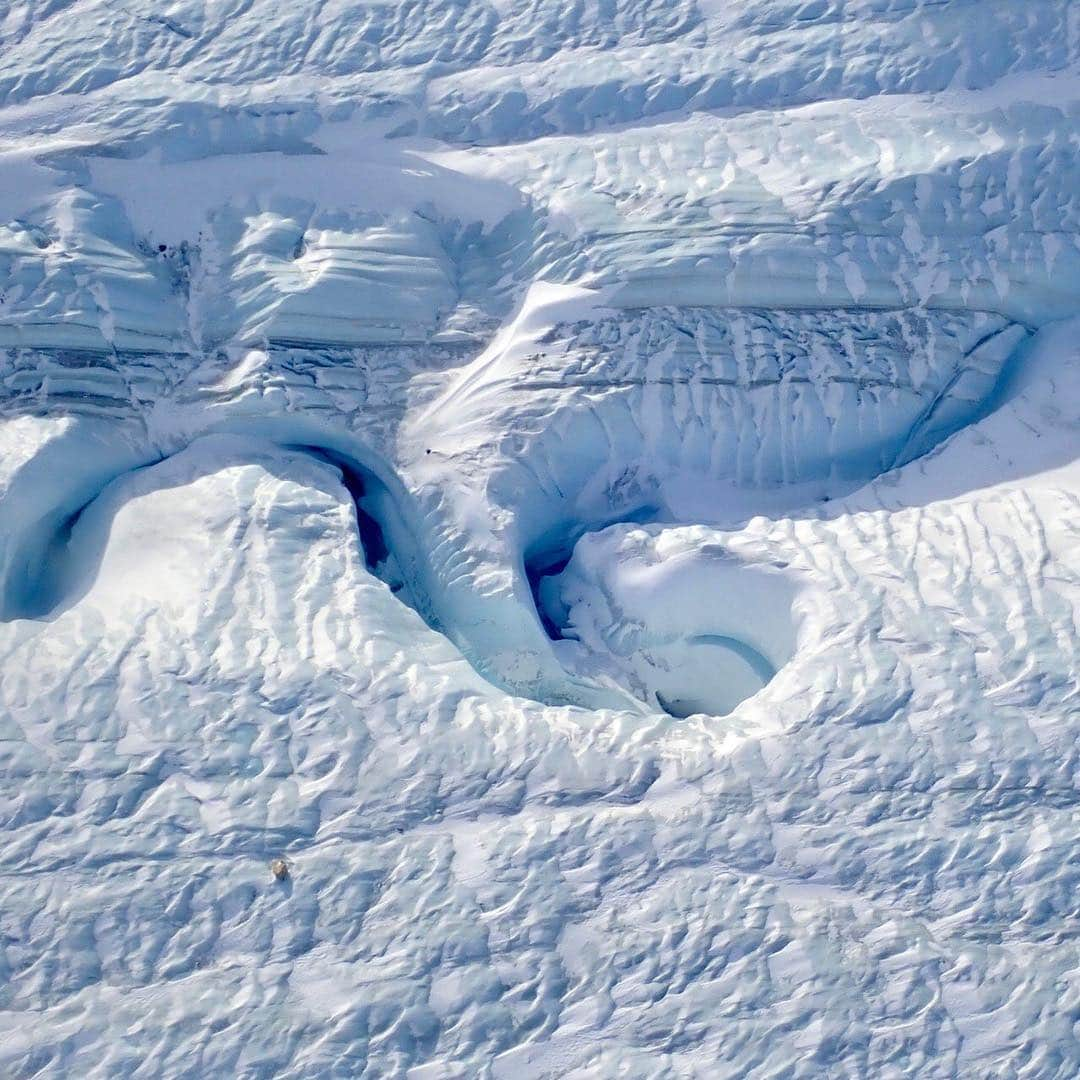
x=594, y=485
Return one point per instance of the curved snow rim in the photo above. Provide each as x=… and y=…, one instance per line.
x=752, y=673
x=47, y=494
x=563, y=479
x=42, y=576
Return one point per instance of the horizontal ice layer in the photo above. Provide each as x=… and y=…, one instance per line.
x=967, y=205
x=960, y=195
x=78, y=278
x=496, y=71
x=746, y=56
x=282, y=276
x=970, y=202
x=757, y=397
x=277, y=273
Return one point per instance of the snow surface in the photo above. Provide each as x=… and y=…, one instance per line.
x=595, y=487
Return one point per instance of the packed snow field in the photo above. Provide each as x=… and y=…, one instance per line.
x=594, y=486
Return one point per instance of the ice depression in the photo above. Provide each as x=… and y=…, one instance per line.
x=593, y=486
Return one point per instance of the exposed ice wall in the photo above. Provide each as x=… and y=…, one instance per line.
x=872, y=153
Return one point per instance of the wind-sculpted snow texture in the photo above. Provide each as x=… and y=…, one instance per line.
x=593, y=486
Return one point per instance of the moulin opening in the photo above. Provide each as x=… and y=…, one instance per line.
x=695, y=633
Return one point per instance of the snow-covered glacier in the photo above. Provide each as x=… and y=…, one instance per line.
x=592, y=485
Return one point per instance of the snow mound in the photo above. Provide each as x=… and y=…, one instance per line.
x=686, y=626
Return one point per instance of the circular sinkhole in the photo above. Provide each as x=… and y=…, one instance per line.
x=668, y=615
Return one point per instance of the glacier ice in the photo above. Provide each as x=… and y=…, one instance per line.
x=593, y=487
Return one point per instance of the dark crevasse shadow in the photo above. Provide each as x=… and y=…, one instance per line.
x=61, y=557
x=390, y=551
x=549, y=555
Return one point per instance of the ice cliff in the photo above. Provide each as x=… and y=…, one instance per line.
x=592, y=485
